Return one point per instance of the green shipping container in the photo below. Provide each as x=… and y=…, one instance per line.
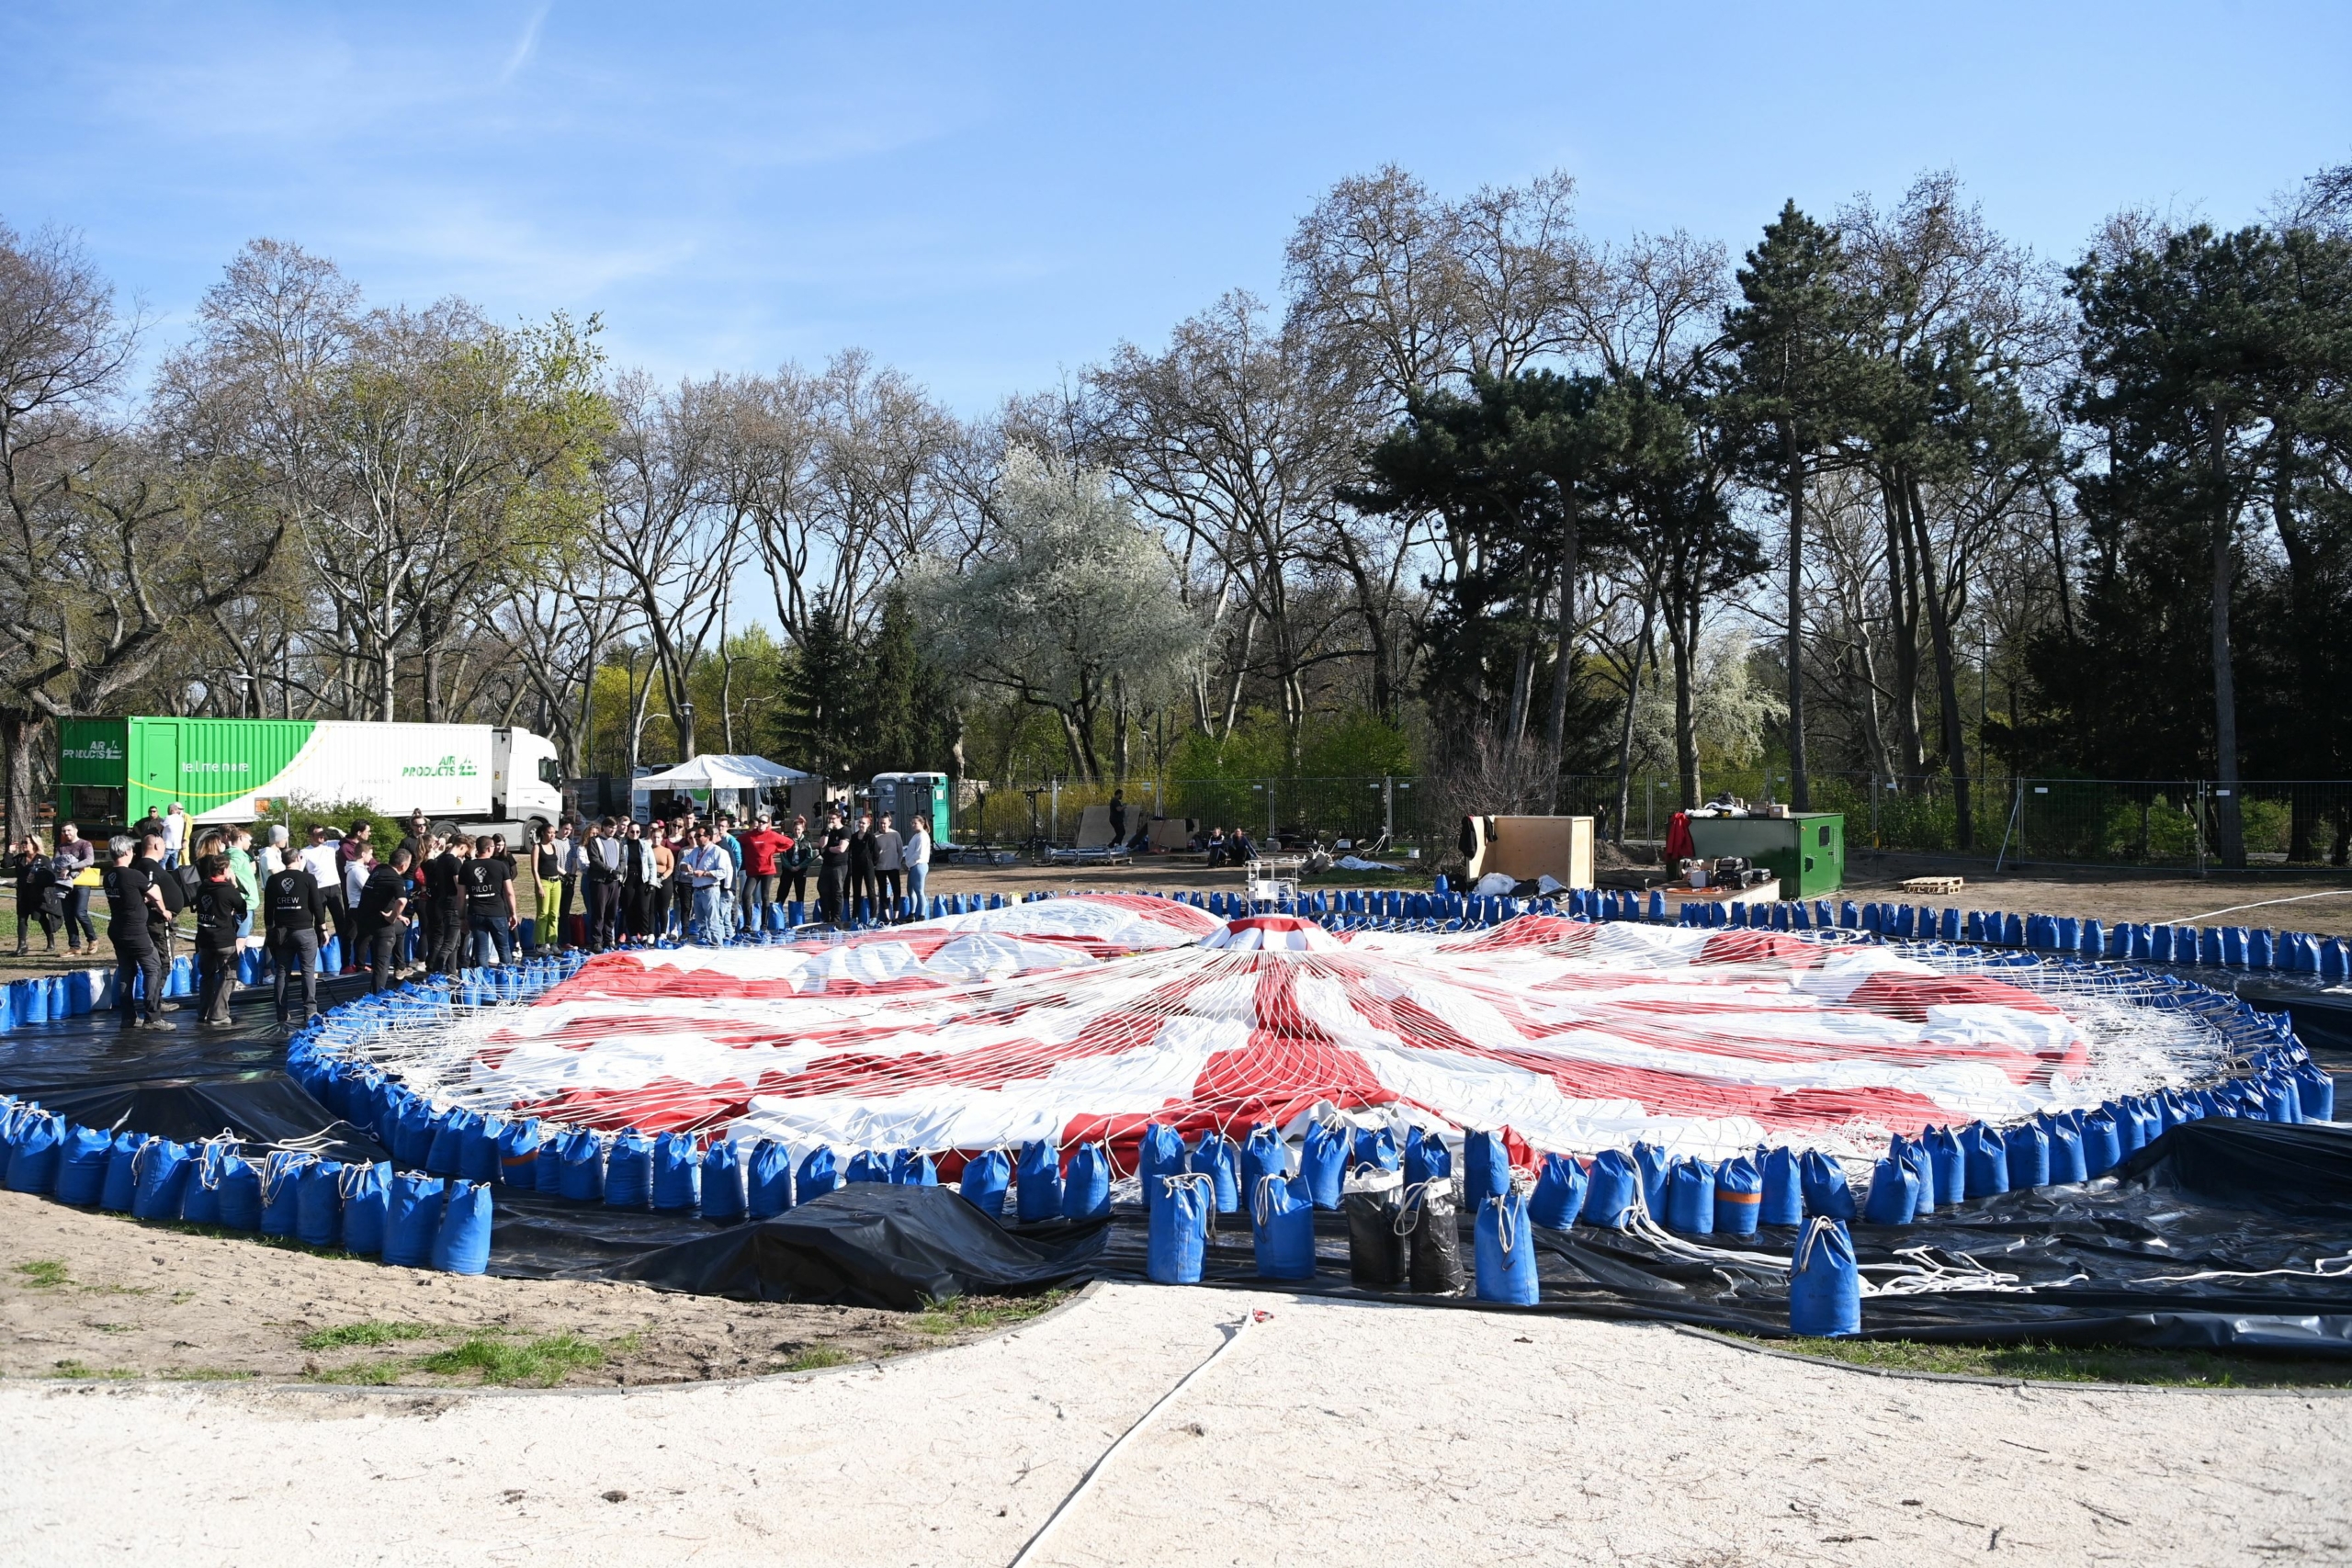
x=1806, y=851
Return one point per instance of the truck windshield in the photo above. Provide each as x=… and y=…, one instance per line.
x=550, y=772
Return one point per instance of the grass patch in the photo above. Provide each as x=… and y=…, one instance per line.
x=2071, y=1363
x=72, y=1368
x=203, y=1374
x=816, y=1359
x=362, y=1374
x=369, y=1332
x=541, y=1363
x=944, y=1315
x=44, y=1273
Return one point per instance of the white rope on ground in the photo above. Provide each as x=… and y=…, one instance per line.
x=2261, y=904
x=1094, y=1472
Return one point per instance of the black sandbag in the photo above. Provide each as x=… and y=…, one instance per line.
x=265, y=1109
x=1435, y=1239
x=1375, y=1246
x=871, y=1244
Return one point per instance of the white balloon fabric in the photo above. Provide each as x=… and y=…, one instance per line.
x=1085, y=1017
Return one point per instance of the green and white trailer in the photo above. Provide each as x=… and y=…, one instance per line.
x=116, y=770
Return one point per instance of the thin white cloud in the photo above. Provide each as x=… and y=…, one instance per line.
x=527, y=45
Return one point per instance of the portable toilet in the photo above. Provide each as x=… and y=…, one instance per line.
x=910, y=797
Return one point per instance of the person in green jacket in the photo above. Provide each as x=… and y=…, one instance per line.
x=247, y=873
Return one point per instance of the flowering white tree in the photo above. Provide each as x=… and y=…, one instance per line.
x=1072, y=605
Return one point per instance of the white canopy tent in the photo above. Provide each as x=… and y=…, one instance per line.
x=719, y=781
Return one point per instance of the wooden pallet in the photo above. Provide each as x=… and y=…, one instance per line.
x=1933, y=885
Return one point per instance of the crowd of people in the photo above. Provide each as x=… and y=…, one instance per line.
x=632, y=884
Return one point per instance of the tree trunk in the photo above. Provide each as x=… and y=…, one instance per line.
x=20, y=732
x=1947, y=676
x=1683, y=637
x=1556, y=731
x=2230, y=825
x=1625, y=729
x=1800, y=786
x=1902, y=602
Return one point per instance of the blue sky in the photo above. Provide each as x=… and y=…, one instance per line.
x=991, y=197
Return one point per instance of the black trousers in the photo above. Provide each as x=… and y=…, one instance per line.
x=216, y=969
x=796, y=878
x=347, y=927
x=833, y=885
x=448, y=934
x=604, y=912
x=37, y=911
x=888, y=894
x=293, y=951
x=385, y=945
x=133, y=962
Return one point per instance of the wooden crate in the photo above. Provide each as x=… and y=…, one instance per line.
x=1934, y=885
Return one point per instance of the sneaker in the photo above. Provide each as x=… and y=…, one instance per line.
x=162, y=1023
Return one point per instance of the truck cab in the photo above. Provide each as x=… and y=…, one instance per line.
x=526, y=776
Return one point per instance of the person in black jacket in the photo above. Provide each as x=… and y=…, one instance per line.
x=488, y=881
x=35, y=877
x=131, y=898
x=832, y=870
x=295, y=907
x=220, y=911
x=172, y=895
x=383, y=926
x=861, y=864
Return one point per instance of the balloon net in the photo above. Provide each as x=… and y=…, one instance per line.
x=1082, y=1019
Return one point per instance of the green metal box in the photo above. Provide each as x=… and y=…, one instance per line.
x=1806, y=850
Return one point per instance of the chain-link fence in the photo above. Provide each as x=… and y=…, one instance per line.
x=2151, y=822
x=1360, y=810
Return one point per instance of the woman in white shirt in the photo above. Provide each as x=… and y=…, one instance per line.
x=918, y=854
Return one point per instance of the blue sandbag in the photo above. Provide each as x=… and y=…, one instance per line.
x=1893, y=1194
x=2280, y=1098
x=1323, y=1162
x=819, y=1172
x=200, y=1198
x=1653, y=1167
x=122, y=1175
x=868, y=1166
x=629, y=1171
x=1376, y=1147
x=1159, y=1151
x=1989, y=1160
x=2131, y=1132
x=722, y=1181
x=282, y=1193
x=1086, y=1184
x=677, y=1172
x=367, y=1207
x=1825, y=1285
x=412, y=1218
x=1739, y=1197
x=2316, y=1091
x=33, y=1157
x=912, y=1167
x=1038, y=1195
x=2028, y=1149
x=1220, y=1158
x=1281, y=1231
x=2102, y=1142
x=239, y=1194
x=1178, y=1222
x=2068, y=1163
x=583, y=1168
x=986, y=1176
x=163, y=1168
x=1263, y=1155
x=1691, y=1197
x=547, y=1170
x=1485, y=1167
x=318, y=1203
x=1951, y=1165
x=518, y=1153
x=1827, y=1194
x=1914, y=1158
x=1559, y=1192
x=462, y=1244
x=1783, y=1203
x=768, y=1180
x=1425, y=1157
x=478, y=1152
x=1505, y=1251
x=1612, y=1187
x=82, y=1167
x=442, y=1156
x=413, y=1132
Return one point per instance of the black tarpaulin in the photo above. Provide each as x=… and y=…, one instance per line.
x=873, y=1246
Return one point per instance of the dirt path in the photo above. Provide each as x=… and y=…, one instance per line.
x=1331, y=1432
x=100, y=1296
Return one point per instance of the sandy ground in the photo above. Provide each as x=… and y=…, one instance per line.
x=101, y=1295
x=1331, y=1432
